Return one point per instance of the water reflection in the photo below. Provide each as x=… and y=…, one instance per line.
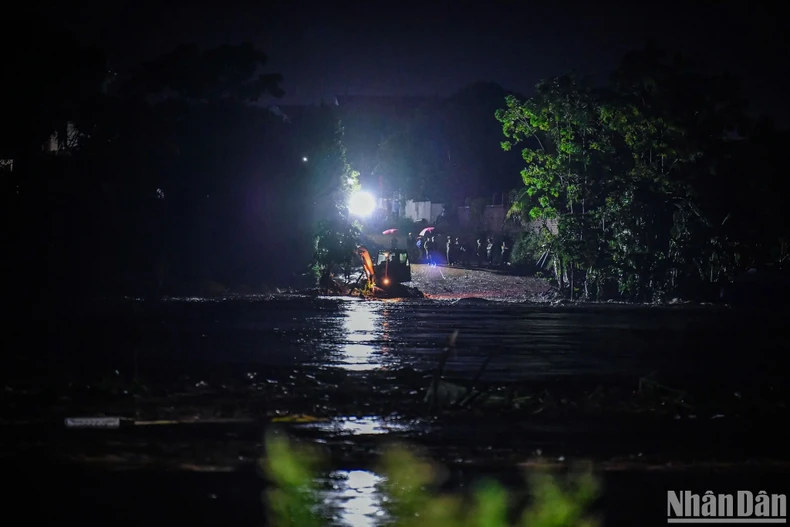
x=364, y=328
x=355, y=497
x=359, y=426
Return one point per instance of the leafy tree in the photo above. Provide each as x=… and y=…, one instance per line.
x=673, y=121
x=331, y=182
x=565, y=143
x=561, y=128
x=627, y=171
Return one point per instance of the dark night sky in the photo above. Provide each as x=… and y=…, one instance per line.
x=370, y=48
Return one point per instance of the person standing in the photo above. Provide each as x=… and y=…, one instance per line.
x=505, y=253
x=429, y=246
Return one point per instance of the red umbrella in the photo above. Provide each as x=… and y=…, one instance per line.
x=390, y=231
x=426, y=230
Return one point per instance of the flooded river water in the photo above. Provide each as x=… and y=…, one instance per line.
x=365, y=343
x=526, y=341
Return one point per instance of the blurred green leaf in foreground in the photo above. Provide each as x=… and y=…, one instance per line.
x=412, y=501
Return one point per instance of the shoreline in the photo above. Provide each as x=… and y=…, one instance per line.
x=436, y=283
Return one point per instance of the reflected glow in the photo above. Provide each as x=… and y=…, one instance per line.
x=356, y=427
x=358, y=358
x=360, y=327
x=361, y=322
x=356, y=497
x=365, y=336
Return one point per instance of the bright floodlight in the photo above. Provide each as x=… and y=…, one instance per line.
x=304, y=159
x=361, y=204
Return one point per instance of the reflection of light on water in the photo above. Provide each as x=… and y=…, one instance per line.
x=356, y=498
x=360, y=322
x=354, y=426
x=360, y=326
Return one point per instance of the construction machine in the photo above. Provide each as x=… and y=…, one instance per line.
x=392, y=268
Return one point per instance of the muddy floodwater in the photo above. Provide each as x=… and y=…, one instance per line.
x=657, y=397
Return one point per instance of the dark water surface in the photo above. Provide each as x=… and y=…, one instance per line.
x=697, y=344
x=693, y=347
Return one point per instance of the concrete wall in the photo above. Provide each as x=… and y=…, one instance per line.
x=436, y=209
x=493, y=218
x=418, y=210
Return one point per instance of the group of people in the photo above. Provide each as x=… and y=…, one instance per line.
x=428, y=249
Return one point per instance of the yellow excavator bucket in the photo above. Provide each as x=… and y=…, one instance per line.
x=367, y=264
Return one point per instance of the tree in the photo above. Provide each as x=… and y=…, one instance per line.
x=565, y=144
x=225, y=72
x=673, y=122
x=330, y=183
x=627, y=172
x=198, y=139
x=52, y=85
x=50, y=78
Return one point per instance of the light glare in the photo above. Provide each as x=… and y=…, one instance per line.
x=361, y=204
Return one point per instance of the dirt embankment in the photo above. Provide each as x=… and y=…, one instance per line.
x=455, y=282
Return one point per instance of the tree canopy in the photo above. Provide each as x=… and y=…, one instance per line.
x=636, y=173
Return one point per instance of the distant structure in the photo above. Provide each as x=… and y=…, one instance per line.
x=63, y=142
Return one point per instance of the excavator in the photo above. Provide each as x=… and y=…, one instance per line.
x=392, y=269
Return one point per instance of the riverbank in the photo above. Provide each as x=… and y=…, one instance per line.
x=443, y=282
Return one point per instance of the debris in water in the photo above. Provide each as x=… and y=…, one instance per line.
x=93, y=422
x=299, y=418
x=445, y=393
